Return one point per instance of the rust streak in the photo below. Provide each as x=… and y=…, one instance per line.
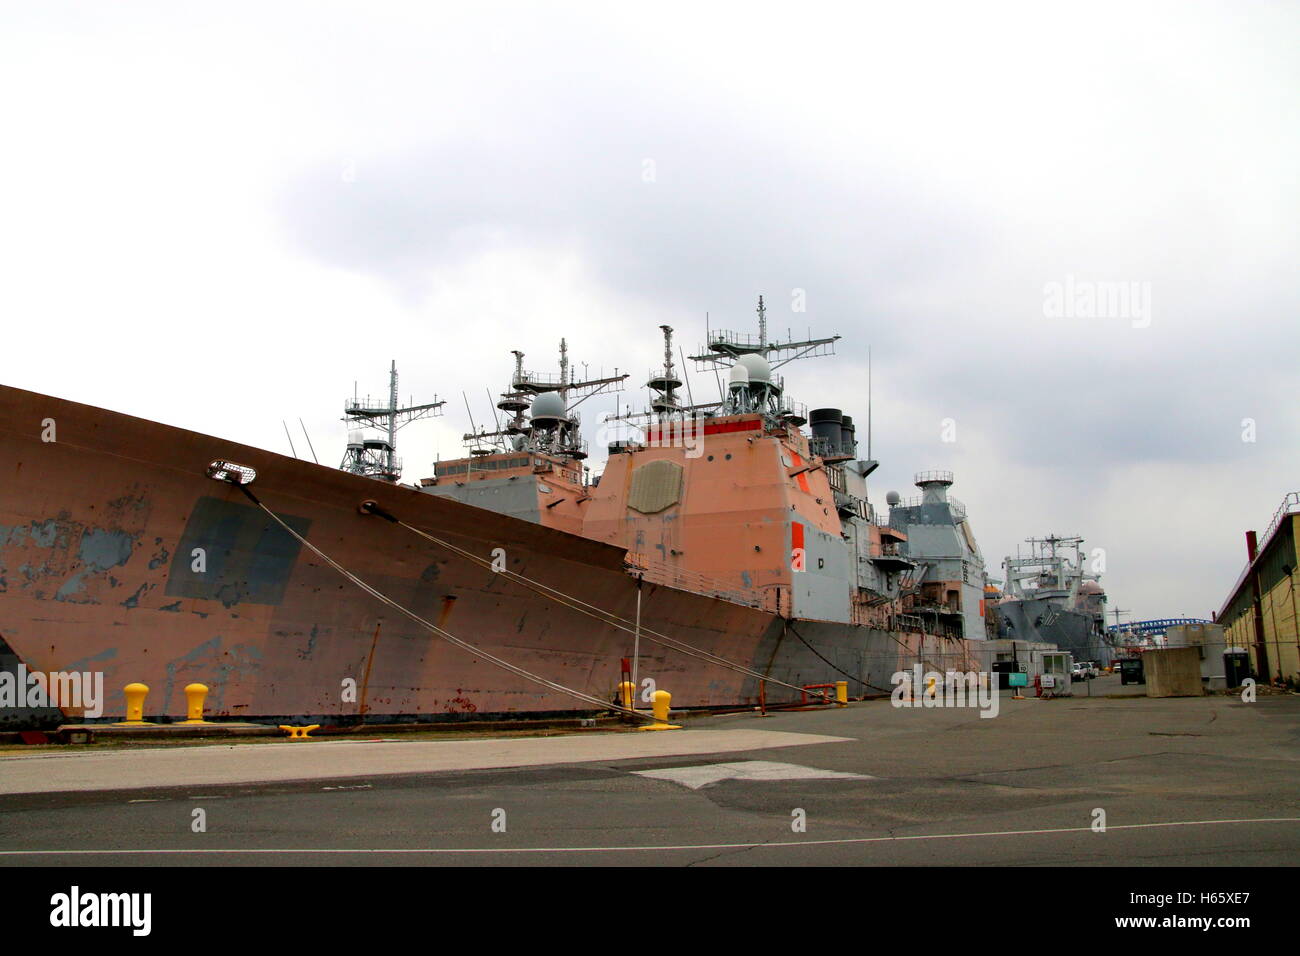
x=365, y=680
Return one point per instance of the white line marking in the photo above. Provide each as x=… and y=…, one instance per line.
x=687, y=846
x=707, y=775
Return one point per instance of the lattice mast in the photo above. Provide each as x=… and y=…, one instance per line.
x=552, y=425
x=377, y=457
x=751, y=386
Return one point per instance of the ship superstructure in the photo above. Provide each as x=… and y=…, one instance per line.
x=731, y=498
x=1051, y=598
x=530, y=467
x=947, y=588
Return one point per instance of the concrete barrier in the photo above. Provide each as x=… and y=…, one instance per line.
x=1173, y=672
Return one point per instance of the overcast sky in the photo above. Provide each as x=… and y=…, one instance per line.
x=221, y=216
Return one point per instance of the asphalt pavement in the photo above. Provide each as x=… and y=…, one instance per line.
x=1081, y=780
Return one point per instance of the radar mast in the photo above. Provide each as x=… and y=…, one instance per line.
x=377, y=457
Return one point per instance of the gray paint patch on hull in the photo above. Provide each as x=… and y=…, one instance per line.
x=249, y=558
x=102, y=549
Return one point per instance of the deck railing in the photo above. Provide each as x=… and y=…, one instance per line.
x=661, y=572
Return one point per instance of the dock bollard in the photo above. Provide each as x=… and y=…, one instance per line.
x=842, y=693
x=135, y=695
x=194, y=697
x=299, y=733
x=660, y=708
x=625, y=691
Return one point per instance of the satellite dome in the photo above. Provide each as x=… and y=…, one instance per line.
x=758, y=368
x=738, y=377
x=548, y=407
x=893, y=498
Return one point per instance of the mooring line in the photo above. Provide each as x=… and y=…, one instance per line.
x=591, y=610
x=440, y=632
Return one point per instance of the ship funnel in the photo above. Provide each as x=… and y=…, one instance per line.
x=827, y=424
x=848, y=436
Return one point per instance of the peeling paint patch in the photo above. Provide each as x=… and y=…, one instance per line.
x=134, y=600
x=44, y=535
x=101, y=549
x=171, y=607
x=217, y=668
x=85, y=663
x=231, y=594
x=71, y=588
x=311, y=643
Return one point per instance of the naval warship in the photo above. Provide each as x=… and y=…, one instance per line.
x=729, y=554
x=1051, y=598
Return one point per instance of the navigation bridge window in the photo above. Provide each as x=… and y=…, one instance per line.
x=444, y=469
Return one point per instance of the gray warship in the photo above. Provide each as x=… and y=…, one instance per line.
x=1050, y=598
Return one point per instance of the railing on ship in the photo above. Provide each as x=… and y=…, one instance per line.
x=660, y=572
x=958, y=509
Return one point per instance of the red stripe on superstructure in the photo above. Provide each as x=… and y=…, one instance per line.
x=796, y=535
x=722, y=427
x=803, y=478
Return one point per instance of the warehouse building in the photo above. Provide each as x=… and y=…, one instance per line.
x=1260, y=613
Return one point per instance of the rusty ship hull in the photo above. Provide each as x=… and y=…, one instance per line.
x=99, y=530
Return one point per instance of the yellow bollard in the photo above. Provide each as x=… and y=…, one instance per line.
x=299, y=733
x=660, y=708
x=135, y=694
x=625, y=691
x=842, y=693
x=194, y=696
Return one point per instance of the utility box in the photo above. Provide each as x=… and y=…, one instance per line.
x=1236, y=666
x=1131, y=671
